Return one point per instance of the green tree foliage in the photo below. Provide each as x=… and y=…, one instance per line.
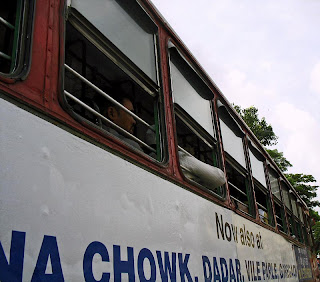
x=264, y=133
x=261, y=129
x=316, y=236
x=279, y=159
x=302, y=183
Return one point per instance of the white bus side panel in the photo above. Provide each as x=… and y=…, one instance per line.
x=59, y=193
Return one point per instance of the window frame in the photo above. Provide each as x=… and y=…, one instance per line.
x=194, y=126
x=283, y=216
x=134, y=73
x=23, y=39
x=265, y=191
x=201, y=133
x=277, y=178
x=247, y=182
x=230, y=122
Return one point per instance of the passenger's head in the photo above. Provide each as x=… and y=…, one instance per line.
x=120, y=117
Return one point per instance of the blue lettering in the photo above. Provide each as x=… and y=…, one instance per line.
x=224, y=270
x=13, y=271
x=238, y=269
x=166, y=268
x=216, y=273
x=258, y=270
x=49, y=247
x=248, y=268
x=120, y=266
x=146, y=254
x=92, y=249
x=183, y=266
x=206, y=265
x=263, y=270
x=231, y=270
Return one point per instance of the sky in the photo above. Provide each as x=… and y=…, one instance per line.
x=264, y=54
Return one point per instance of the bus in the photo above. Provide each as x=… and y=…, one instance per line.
x=121, y=160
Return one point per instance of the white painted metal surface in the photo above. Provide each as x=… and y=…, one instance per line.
x=56, y=187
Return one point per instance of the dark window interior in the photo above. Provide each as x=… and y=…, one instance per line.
x=264, y=205
x=86, y=59
x=281, y=222
x=291, y=225
x=299, y=231
x=188, y=140
x=8, y=13
x=238, y=186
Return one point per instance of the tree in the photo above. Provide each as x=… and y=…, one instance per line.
x=261, y=129
x=316, y=236
x=279, y=159
x=302, y=184
x=264, y=133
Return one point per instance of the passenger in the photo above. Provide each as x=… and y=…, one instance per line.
x=119, y=117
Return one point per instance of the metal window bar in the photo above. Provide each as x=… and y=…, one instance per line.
x=280, y=227
x=6, y=23
x=124, y=132
x=278, y=218
x=108, y=97
x=5, y=56
x=185, y=151
x=239, y=190
x=9, y=26
x=263, y=218
x=262, y=207
x=239, y=201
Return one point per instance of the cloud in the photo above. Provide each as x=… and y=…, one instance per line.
x=315, y=78
x=299, y=140
x=241, y=90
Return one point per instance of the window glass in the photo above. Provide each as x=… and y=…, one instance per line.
x=198, y=156
x=300, y=213
x=127, y=26
x=298, y=231
x=294, y=205
x=275, y=188
x=239, y=189
x=285, y=193
x=280, y=217
x=291, y=225
x=257, y=169
x=104, y=94
x=264, y=204
x=187, y=96
x=232, y=144
x=16, y=21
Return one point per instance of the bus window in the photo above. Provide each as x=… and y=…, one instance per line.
x=300, y=213
x=260, y=186
x=294, y=204
x=299, y=231
x=291, y=225
x=274, y=183
x=285, y=193
x=16, y=22
x=198, y=147
x=280, y=216
x=263, y=203
x=127, y=26
x=257, y=165
x=105, y=85
x=237, y=172
x=307, y=231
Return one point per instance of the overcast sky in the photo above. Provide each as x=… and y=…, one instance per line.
x=265, y=54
